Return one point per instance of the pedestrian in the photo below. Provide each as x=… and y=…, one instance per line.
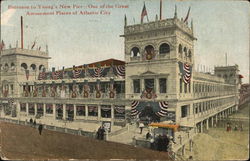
x=236, y=128
x=152, y=143
x=228, y=127
x=99, y=133
x=141, y=126
x=148, y=135
x=31, y=121
x=40, y=128
x=241, y=127
x=102, y=131
x=34, y=123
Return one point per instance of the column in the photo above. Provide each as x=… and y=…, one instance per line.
x=212, y=121
x=183, y=150
x=44, y=110
x=112, y=114
x=27, y=109
x=207, y=122
x=35, y=106
x=99, y=112
x=156, y=85
x=54, y=110
x=74, y=111
x=64, y=112
x=201, y=127
x=86, y=112
x=216, y=118
x=190, y=145
x=18, y=109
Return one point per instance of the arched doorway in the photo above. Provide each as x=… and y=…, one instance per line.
x=148, y=115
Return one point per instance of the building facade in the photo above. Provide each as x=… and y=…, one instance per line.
x=156, y=82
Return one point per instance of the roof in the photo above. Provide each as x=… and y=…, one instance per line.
x=107, y=62
x=161, y=125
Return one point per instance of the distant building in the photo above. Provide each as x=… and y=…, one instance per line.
x=156, y=82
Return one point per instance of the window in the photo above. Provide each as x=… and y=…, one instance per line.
x=59, y=111
x=135, y=52
x=185, y=87
x=24, y=66
x=149, y=49
x=106, y=111
x=93, y=110
x=180, y=48
x=33, y=67
x=119, y=112
x=184, y=111
x=80, y=110
x=137, y=85
x=163, y=85
x=119, y=87
x=149, y=84
x=164, y=48
x=23, y=107
x=49, y=108
x=31, y=108
x=40, y=108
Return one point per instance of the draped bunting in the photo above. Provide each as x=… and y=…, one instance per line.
x=159, y=108
x=98, y=72
x=92, y=108
x=186, y=71
x=120, y=109
x=149, y=94
x=105, y=108
x=77, y=73
x=119, y=70
x=39, y=106
x=41, y=76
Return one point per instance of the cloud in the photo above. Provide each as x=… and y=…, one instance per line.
x=5, y=17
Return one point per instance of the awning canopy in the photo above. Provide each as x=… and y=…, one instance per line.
x=161, y=125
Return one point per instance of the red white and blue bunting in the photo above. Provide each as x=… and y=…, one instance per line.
x=120, y=70
x=159, y=108
x=186, y=71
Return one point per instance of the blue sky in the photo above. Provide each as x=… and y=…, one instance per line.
x=220, y=27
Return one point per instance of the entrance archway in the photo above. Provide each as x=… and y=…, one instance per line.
x=148, y=115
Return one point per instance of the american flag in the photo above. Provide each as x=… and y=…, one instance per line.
x=143, y=13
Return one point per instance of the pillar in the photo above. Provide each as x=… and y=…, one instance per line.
x=86, y=111
x=18, y=109
x=183, y=150
x=201, y=130
x=216, y=118
x=44, y=110
x=54, y=110
x=212, y=121
x=27, y=109
x=112, y=114
x=74, y=111
x=64, y=112
x=207, y=124
x=35, y=106
x=190, y=145
x=99, y=112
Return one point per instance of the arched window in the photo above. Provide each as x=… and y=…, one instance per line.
x=149, y=49
x=24, y=66
x=41, y=68
x=180, y=48
x=164, y=48
x=135, y=52
x=33, y=66
x=185, y=51
x=190, y=54
x=12, y=66
x=6, y=67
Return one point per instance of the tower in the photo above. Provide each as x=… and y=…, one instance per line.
x=153, y=51
x=19, y=65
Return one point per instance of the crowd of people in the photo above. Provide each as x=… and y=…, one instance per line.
x=159, y=142
x=236, y=128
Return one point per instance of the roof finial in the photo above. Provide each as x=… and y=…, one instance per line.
x=125, y=20
x=175, y=11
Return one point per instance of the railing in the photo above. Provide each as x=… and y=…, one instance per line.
x=53, y=128
x=69, y=95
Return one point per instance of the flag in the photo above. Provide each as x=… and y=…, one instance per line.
x=143, y=13
x=33, y=45
x=187, y=15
